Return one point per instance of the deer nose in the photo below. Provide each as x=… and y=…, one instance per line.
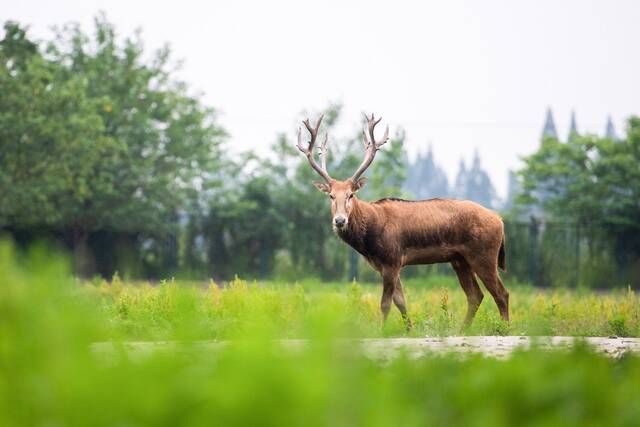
x=339, y=221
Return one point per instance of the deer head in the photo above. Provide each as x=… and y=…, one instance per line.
x=341, y=193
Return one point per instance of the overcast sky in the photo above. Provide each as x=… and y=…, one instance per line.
x=461, y=75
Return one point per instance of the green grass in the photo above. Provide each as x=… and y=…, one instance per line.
x=50, y=377
x=170, y=309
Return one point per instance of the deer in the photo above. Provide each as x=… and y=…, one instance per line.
x=392, y=233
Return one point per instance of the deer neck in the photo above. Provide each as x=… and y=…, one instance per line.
x=360, y=219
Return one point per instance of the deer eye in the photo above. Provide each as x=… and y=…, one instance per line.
x=331, y=196
x=349, y=196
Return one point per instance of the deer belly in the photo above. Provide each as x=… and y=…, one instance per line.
x=428, y=255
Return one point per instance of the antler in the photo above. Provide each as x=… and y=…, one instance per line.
x=370, y=145
x=322, y=171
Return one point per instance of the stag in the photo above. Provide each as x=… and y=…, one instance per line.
x=392, y=233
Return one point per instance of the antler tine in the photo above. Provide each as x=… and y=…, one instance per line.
x=385, y=137
x=324, y=151
x=313, y=130
x=371, y=146
x=299, y=144
x=319, y=122
x=365, y=139
x=308, y=151
x=372, y=122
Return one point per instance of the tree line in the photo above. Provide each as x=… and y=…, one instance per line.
x=105, y=153
x=426, y=179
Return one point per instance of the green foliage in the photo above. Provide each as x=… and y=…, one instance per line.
x=52, y=372
x=170, y=138
x=590, y=181
x=589, y=188
x=95, y=137
x=53, y=141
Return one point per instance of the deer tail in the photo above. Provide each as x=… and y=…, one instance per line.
x=502, y=258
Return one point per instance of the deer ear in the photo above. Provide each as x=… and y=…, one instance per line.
x=359, y=183
x=322, y=186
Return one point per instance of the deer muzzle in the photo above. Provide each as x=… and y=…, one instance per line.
x=339, y=221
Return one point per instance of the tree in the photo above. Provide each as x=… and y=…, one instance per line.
x=53, y=140
x=513, y=190
x=245, y=227
x=590, y=181
x=426, y=179
x=460, y=185
x=132, y=146
x=475, y=183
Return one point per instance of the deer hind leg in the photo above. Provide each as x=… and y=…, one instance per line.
x=399, y=301
x=469, y=284
x=488, y=273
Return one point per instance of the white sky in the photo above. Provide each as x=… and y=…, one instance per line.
x=458, y=74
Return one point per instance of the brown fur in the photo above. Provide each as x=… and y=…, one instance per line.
x=392, y=233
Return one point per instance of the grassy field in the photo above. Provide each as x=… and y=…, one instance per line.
x=288, y=310
x=49, y=375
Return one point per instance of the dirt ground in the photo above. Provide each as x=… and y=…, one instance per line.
x=387, y=348
x=495, y=346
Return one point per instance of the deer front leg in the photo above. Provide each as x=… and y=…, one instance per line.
x=388, y=286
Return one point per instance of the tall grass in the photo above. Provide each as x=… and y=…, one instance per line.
x=50, y=376
x=170, y=309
